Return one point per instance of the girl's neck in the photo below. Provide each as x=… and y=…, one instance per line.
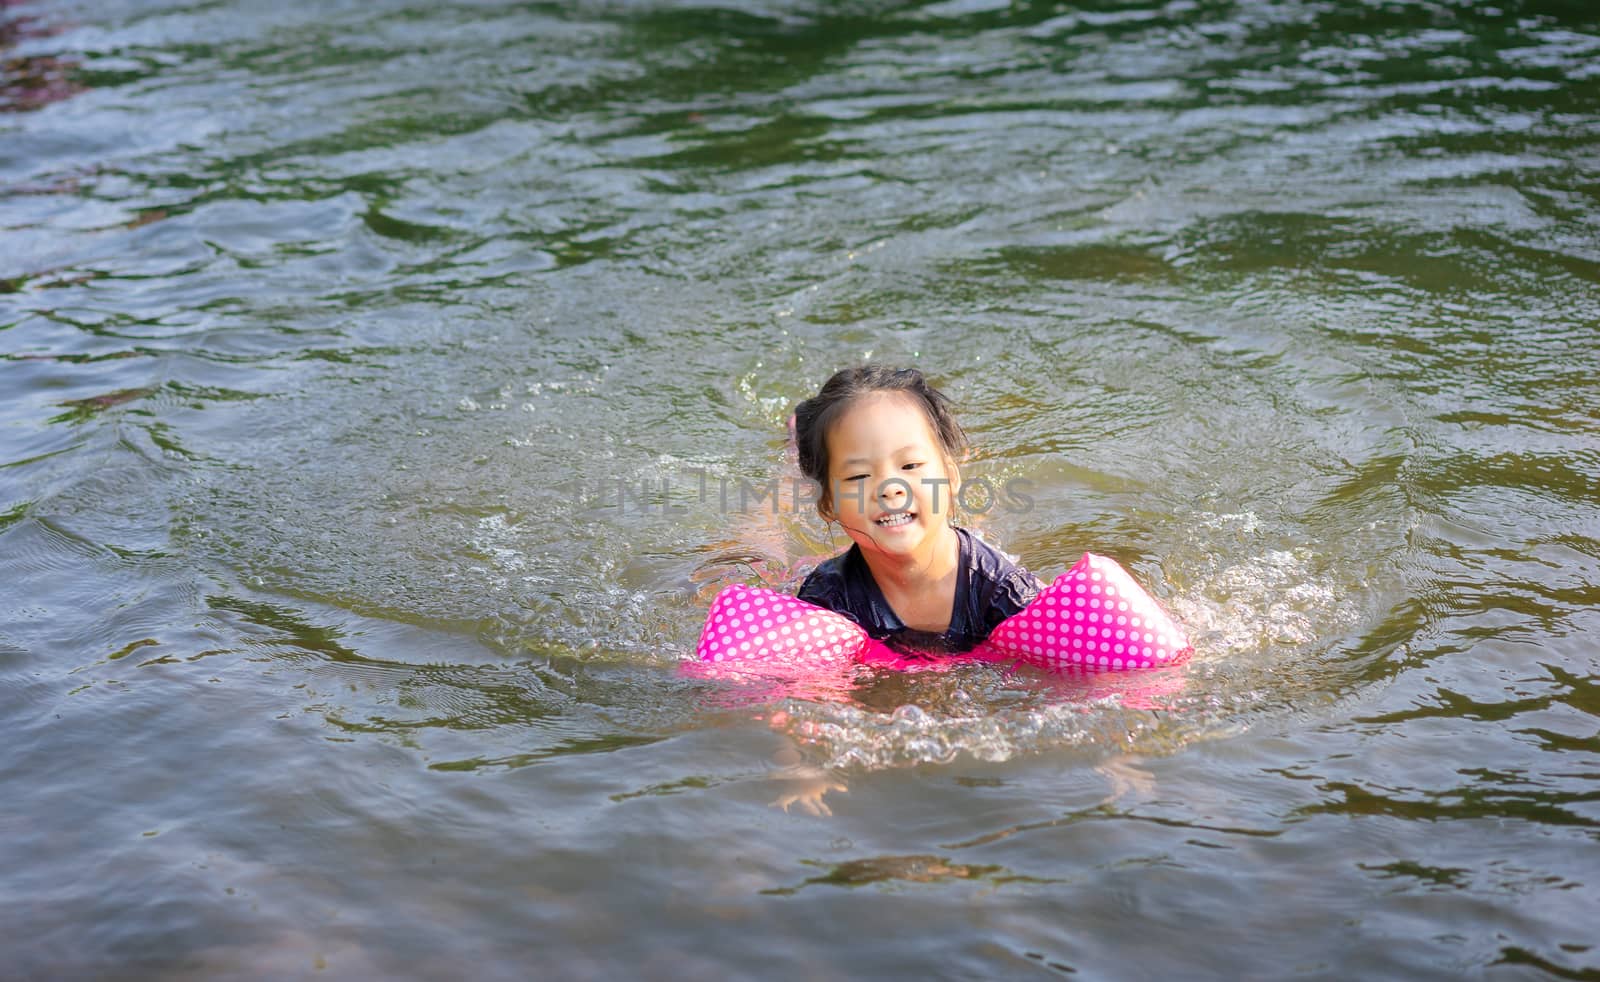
x=919, y=570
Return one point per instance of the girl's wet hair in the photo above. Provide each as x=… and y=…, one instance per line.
x=815, y=416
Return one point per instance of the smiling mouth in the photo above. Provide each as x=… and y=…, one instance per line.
x=895, y=520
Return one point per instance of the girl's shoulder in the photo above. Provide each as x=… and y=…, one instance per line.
x=830, y=578
x=986, y=554
x=999, y=586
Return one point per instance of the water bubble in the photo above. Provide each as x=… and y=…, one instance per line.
x=913, y=715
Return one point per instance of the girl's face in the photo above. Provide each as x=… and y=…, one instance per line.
x=892, y=485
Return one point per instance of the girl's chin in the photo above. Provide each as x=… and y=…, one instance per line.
x=899, y=539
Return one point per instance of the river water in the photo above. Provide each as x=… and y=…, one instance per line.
x=385, y=384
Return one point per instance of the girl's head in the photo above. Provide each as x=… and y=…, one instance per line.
x=879, y=441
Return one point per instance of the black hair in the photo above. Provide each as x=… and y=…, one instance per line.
x=815, y=416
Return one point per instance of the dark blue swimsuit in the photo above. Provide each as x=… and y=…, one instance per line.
x=989, y=588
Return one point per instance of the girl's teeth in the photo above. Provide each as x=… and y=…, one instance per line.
x=892, y=520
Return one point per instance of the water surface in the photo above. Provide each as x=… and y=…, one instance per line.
x=364, y=364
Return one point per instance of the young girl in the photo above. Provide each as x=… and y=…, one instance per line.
x=882, y=445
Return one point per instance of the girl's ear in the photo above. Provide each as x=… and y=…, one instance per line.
x=955, y=486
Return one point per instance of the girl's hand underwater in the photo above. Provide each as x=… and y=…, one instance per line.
x=804, y=784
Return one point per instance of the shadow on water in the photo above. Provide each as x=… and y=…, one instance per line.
x=1493, y=801
x=889, y=870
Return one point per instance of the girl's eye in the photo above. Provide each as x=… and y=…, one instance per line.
x=911, y=467
x=856, y=477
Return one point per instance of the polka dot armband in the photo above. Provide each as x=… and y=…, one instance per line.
x=1093, y=616
x=756, y=624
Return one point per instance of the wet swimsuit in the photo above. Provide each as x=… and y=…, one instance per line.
x=990, y=587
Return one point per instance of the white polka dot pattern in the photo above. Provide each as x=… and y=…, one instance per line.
x=1093, y=616
x=753, y=623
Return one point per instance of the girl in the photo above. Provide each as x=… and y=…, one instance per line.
x=882, y=445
